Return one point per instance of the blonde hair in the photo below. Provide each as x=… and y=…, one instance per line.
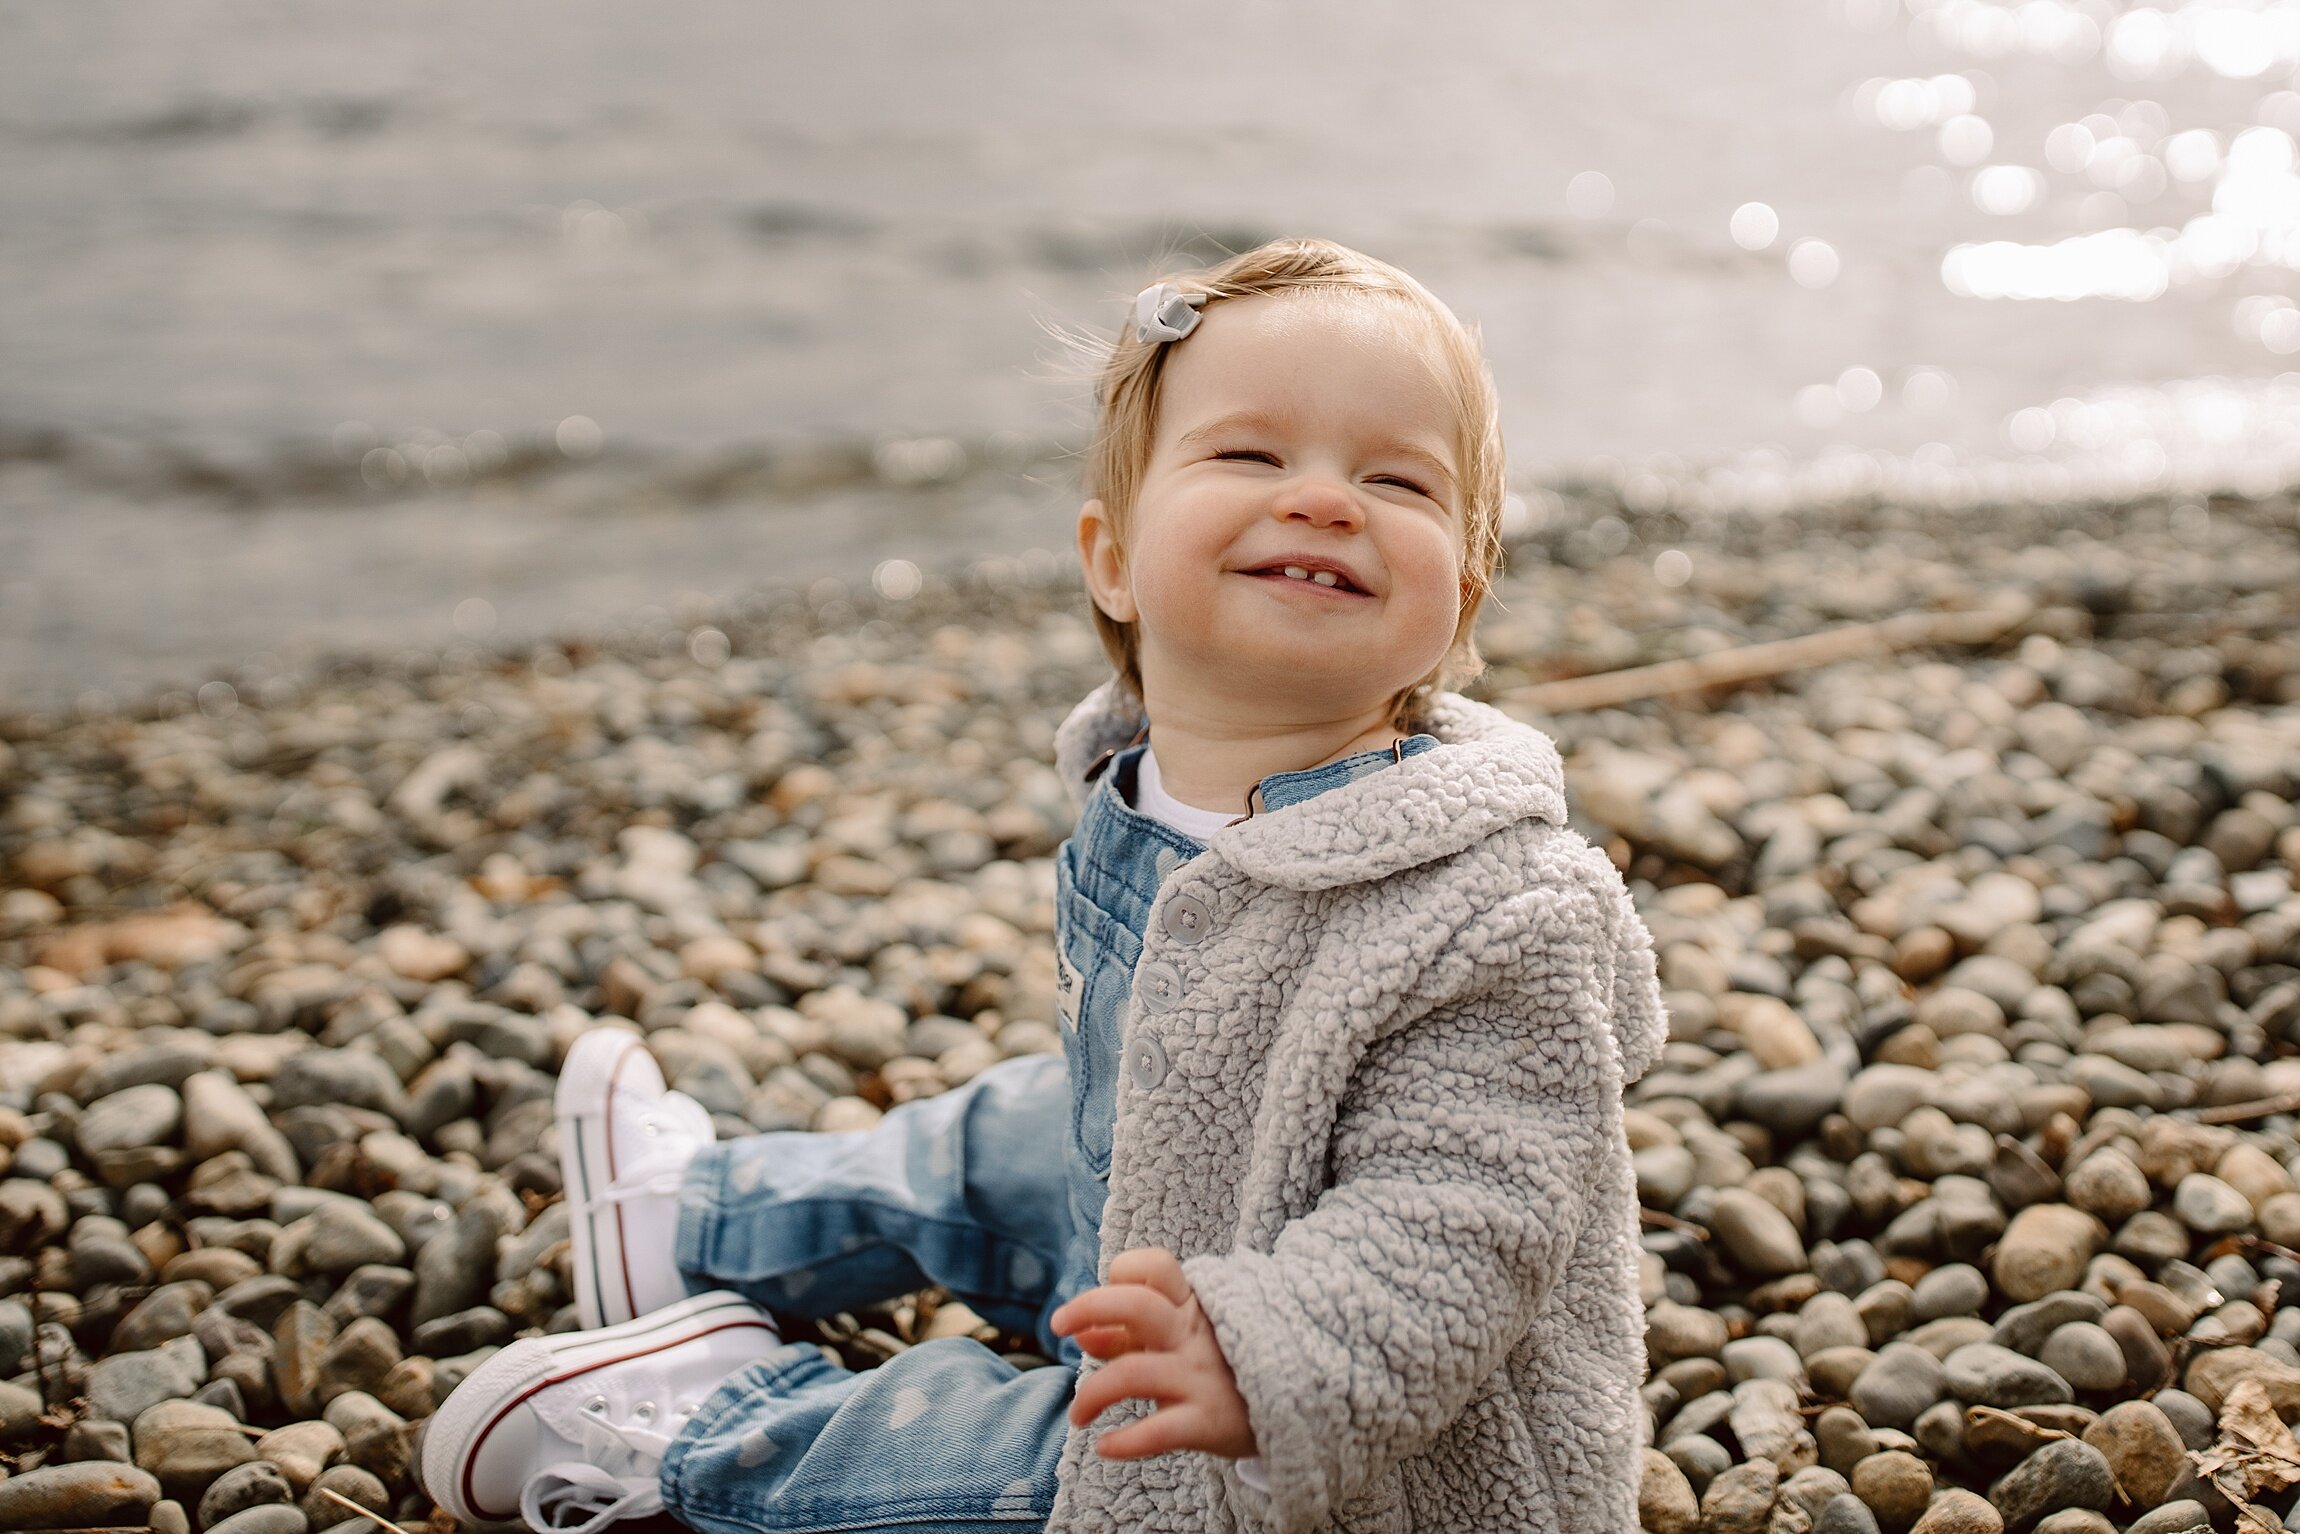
x=1130, y=382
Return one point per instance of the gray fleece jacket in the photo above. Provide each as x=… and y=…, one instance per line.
x=1397, y=1019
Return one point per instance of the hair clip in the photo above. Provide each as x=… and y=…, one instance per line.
x=1163, y=312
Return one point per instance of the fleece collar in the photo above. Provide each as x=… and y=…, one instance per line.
x=1488, y=772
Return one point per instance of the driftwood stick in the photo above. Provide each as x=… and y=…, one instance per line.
x=370, y=1514
x=2258, y=1108
x=1749, y=663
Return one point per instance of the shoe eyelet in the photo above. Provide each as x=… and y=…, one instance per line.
x=595, y=1405
x=644, y=1411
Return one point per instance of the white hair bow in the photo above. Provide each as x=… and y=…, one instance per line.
x=1163, y=312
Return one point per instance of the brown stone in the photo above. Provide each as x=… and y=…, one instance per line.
x=1959, y=1512
x=2045, y=1248
x=2143, y=1450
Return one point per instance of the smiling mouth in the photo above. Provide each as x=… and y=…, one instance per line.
x=1316, y=577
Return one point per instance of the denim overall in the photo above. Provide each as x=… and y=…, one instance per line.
x=963, y=1190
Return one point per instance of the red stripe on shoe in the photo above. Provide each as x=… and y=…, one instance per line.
x=479, y=1439
x=622, y=1245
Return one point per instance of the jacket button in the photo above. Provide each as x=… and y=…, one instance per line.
x=1146, y=1062
x=1186, y=919
x=1160, y=984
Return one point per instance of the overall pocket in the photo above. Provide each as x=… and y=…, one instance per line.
x=1097, y=954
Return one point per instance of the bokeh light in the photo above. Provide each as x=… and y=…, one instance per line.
x=1966, y=139
x=1860, y=389
x=1813, y=263
x=578, y=436
x=1755, y=226
x=898, y=580
x=2005, y=189
x=1590, y=194
x=474, y=617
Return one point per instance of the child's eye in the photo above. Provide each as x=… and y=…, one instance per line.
x=1401, y=482
x=1247, y=455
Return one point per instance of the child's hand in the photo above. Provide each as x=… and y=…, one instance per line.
x=1147, y=1319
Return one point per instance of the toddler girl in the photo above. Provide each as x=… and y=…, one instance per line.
x=1326, y=1214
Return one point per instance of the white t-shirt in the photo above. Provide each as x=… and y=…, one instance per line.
x=1193, y=822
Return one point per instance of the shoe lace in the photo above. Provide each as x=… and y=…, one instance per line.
x=576, y=1497
x=684, y=1123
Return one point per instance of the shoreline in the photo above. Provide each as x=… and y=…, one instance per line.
x=115, y=591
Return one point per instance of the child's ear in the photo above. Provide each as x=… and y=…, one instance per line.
x=1104, y=562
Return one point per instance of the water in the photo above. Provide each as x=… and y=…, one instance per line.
x=323, y=325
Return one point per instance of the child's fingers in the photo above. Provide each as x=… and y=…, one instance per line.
x=1149, y=1316
x=1155, y=1267
x=1181, y=1426
x=1106, y=1341
x=1137, y=1376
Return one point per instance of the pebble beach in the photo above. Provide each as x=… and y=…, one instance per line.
x=1971, y=1172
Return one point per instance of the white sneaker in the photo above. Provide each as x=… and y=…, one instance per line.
x=568, y=1432
x=624, y=1144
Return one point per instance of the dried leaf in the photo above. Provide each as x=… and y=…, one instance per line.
x=2256, y=1453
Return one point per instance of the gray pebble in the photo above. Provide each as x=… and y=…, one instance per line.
x=131, y=1120
x=2084, y=1355
x=1953, y=1289
x=1846, y=1514
x=2065, y=1473
x=274, y=1519
x=1983, y=1374
x=2183, y=1517
x=258, y=1483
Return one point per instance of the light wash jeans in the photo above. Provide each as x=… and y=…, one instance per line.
x=993, y=1191
x=965, y=1190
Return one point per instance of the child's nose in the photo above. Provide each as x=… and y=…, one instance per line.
x=1319, y=501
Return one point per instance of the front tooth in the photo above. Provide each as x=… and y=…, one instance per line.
x=1296, y=573
x=1325, y=577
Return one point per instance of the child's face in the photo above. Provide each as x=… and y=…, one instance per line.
x=1302, y=430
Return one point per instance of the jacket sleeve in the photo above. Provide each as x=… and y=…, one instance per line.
x=1458, y=1178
